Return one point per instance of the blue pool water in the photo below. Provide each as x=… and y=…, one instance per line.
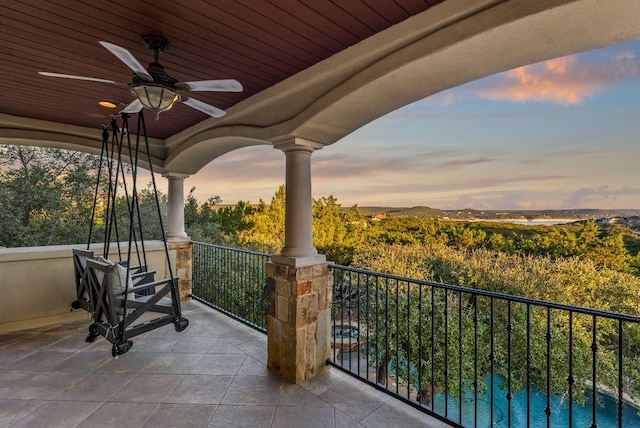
x=606, y=413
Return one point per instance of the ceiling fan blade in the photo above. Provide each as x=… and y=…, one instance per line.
x=203, y=107
x=134, y=107
x=90, y=79
x=227, y=85
x=126, y=57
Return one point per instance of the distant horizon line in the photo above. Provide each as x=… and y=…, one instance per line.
x=459, y=209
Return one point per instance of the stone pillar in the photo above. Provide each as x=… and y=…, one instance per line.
x=299, y=281
x=175, y=226
x=183, y=266
x=298, y=319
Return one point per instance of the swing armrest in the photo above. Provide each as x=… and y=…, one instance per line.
x=138, y=269
x=142, y=278
x=149, y=286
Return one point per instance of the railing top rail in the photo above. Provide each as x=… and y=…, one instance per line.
x=238, y=250
x=492, y=294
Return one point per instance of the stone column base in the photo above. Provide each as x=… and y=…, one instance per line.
x=298, y=319
x=183, y=265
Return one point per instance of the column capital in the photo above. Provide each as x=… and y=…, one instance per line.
x=295, y=143
x=175, y=175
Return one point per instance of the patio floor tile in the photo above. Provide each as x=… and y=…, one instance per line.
x=213, y=374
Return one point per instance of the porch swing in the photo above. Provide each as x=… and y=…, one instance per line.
x=123, y=299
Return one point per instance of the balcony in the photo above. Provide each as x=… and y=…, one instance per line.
x=214, y=373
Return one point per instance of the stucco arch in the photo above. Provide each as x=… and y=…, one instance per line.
x=500, y=39
x=455, y=43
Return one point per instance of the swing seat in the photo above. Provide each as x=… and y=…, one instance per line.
x=84, y=299
x=122, y=310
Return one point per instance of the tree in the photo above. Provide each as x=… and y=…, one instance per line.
x=337, y=232
x=265, y=230
x=233, y=220
x=46, y=195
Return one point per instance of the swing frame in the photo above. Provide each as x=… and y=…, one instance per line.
x=120, y=311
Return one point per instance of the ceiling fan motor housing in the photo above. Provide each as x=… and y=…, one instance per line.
x=156, y=43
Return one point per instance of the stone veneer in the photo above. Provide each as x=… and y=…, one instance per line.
x=183, y=265
x=298, y=319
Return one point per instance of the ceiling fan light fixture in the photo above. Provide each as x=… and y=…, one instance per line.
x=156, y=98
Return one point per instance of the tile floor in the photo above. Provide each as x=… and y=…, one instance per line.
x=212, y=374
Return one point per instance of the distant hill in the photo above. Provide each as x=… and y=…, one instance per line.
x=471, y=214
x=402, y=212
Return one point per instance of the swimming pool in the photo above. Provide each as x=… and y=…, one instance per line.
x=606, y=413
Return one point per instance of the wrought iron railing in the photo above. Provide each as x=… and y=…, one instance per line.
x=477, y=358
x=466, y=356
x=232, y=281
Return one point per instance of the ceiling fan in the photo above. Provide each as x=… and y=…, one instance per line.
x=152, y=87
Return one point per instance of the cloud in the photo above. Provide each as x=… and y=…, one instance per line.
x=595, y=153
x=457, y=165
x=582, y=196
x=513, y=200
x=624, y=55
x=568, y=80
x=391, y=160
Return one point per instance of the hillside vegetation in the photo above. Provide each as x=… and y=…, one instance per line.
x=583, y=263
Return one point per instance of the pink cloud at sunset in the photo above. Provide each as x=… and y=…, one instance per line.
x=563, y=80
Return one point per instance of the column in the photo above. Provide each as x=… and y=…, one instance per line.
x=175, y=226
x=299, y=282
x=178, y=242
x=298, y=235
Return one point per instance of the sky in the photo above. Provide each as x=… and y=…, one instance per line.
x=559, y=134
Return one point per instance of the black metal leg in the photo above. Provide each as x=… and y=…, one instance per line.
x=120, y=347
x=181, y=323
x=93, y=334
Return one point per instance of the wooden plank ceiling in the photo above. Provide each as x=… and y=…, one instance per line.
x=257, y=42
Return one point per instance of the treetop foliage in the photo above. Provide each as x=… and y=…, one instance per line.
x=47, y=197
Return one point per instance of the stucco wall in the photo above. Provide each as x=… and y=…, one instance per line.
x=37, y=284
